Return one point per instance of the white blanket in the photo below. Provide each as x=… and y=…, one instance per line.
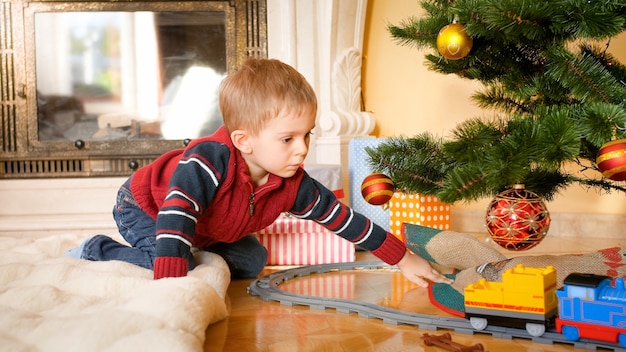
x=52, y=303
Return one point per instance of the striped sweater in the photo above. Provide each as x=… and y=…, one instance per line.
x=203, y=194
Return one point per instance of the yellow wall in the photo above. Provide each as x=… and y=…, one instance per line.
x=406, y=98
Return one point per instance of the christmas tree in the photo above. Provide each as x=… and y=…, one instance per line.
x=558, y=98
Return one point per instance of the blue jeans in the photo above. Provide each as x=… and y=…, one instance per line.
x=245, y=258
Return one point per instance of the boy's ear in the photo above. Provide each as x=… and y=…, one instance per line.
x=241, y=141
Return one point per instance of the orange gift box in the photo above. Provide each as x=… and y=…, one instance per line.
x=292, y=241
x=419, y=210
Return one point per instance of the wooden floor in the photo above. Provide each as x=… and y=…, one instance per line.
x=257, y=325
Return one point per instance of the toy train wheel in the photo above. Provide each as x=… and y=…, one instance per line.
x=570, y=332
x=478, y=323
x=535, y=329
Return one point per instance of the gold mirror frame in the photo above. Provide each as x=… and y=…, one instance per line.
x=23, y=155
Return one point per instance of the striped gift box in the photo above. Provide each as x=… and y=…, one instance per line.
x=291, y=241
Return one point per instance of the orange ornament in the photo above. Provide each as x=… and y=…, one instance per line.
x=377, y=189
x=611, y=160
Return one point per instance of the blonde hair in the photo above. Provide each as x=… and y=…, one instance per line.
x=259, y=91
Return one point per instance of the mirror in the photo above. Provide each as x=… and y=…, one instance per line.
x=127, y=75
x=100, y=88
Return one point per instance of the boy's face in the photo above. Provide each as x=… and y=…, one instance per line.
x=281, y=146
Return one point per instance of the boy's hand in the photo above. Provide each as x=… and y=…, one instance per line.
x=417, y=270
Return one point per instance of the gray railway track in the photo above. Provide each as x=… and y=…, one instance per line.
x=268, y=289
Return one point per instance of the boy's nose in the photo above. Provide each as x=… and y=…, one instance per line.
x=302, y=148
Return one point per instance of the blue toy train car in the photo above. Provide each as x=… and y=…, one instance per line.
x=590, y=306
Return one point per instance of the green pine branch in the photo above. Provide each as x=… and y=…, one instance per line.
x=558, y=94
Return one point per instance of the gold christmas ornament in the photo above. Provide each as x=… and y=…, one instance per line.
x=453, y=42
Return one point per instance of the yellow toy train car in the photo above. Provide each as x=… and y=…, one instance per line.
x=525, y=298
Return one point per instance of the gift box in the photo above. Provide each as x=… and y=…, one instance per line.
x=419, y=210
x=292, y=241
x=359, y=169
x=327, y=175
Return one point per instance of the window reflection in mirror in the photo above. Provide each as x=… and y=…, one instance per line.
x=128, y=75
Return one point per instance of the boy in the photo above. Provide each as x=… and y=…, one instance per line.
x=221, y=188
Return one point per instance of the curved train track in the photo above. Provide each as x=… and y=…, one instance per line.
x=268, y=288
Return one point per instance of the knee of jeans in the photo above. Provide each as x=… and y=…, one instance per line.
x=262, y=256
x=255, y=265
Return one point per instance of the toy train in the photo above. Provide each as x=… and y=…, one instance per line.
x=587, y=306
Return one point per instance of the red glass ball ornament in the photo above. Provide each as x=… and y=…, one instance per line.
x=517, y=219
x=377, y=189
x=611, y=160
